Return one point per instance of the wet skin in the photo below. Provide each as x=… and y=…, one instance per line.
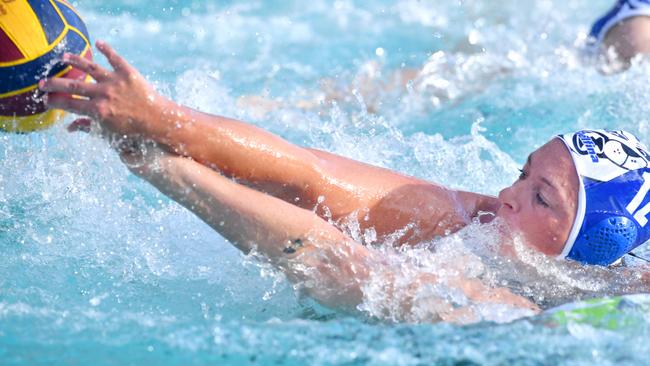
x=542, y=203
x=291, y=203
x=406, y=210
x=628, y=38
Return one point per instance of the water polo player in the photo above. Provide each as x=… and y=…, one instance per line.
x=624, y=29
x=581, y=196
x=619, y=35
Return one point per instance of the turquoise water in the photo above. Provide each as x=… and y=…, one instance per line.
x=98, y=268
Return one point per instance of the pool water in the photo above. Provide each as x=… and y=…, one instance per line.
x=99, y=268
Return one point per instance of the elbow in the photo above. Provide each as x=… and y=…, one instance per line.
x=332, y=276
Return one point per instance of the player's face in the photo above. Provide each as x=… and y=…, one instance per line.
x=541, y=205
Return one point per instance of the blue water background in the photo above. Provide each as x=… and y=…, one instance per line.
x=99, y=268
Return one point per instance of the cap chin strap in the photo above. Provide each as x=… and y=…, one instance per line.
x=580, y=212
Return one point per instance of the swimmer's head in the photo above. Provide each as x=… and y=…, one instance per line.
x=541, y=205
x=587, y=197
x=620, y=35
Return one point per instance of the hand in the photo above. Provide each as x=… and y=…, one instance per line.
x=477, y=291
x=121, y=100
x=146, y=159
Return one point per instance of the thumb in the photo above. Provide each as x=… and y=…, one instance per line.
x=80, y=124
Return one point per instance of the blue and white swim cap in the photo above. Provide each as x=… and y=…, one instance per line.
x=613, y=202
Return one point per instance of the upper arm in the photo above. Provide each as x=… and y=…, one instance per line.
x=406, y=209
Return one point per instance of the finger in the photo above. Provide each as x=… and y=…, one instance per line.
x=67, y=103
x=118, y=63
x=81, y=124
x=69, y=86
x=87, y=125
x=97, y=72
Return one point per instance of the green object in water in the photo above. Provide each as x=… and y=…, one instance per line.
x=607, y=313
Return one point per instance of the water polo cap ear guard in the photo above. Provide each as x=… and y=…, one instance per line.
x=613, y=201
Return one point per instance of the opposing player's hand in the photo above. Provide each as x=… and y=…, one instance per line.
x=121, y=100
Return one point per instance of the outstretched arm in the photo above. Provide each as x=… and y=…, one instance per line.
x=306, y=248
x=126, y=105
x=329, y=265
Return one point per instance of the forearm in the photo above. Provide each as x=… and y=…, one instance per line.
x=311, y=252
x=266, y=162
x=235, y=148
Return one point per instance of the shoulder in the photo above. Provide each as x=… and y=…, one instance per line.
x=629, y=37
x=622, y=10
x=423, y=211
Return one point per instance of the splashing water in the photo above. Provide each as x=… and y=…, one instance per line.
x=97, y=267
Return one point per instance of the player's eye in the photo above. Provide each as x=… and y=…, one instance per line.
x=540, y=200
